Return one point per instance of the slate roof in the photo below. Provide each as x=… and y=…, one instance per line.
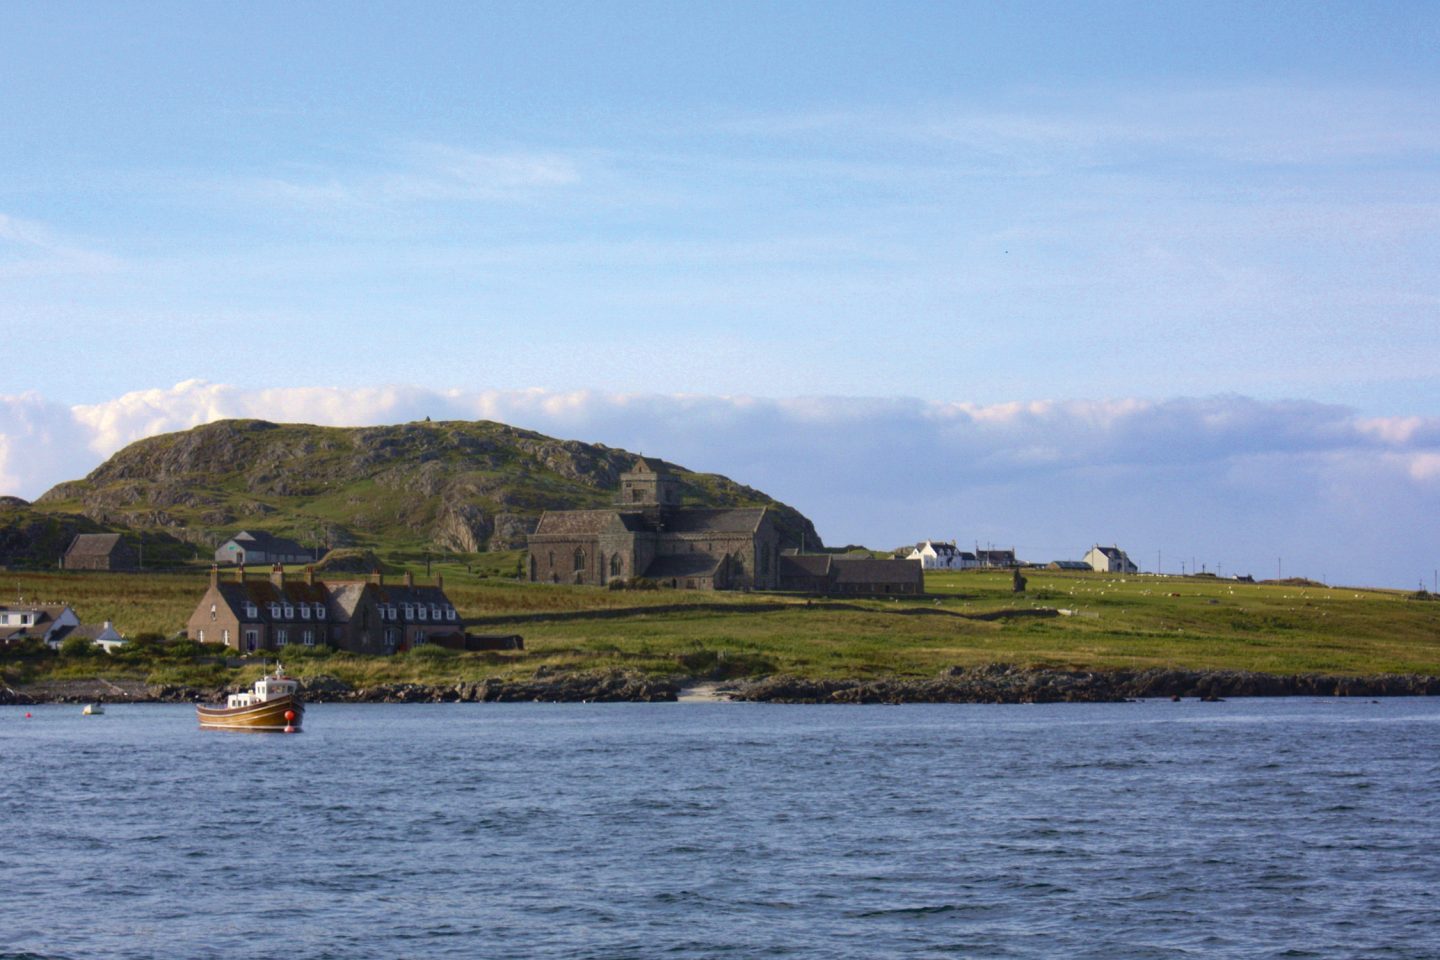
x=724, y=520
x=269, y=543
x=645, y=465
x=572, y=523
x=805, y=565
x=575, y=522
x=93, y=545
x=427, y=595
x=876, y=571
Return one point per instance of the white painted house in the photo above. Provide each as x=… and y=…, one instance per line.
x=48, y=621
x=941, y=555
x=53, y=623
x=1110, y=559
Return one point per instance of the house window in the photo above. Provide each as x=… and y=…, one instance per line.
x=304, y=612
x=282, y=638
x=225, y=637
x=435, y=612
x=289, y=612
x=275, y=610
x=391, y=608
x=420, y=611
x=450, y=613
x=579, y=559
x=201, y=636
x=252, y=639
x=319, y=611
x=409, y=611
x=251, y=610
x=308, y=637
x=213, y=612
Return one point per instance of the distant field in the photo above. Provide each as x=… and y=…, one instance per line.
x=968, y=619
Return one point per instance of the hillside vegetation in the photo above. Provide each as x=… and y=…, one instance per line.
x=457, y=487
x=1065, y=620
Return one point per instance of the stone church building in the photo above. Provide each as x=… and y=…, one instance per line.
x=648, y=534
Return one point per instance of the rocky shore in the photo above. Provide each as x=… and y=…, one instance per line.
x=1006, y=684
x=992, y=684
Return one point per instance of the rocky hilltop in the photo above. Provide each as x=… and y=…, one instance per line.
x=453, y=486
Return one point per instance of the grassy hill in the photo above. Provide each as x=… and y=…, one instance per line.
x=461, y=487
x=1065, y=620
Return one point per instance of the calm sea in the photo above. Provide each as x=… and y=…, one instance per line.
x=1280, y=828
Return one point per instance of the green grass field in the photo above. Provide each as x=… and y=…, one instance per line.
x=968, y=619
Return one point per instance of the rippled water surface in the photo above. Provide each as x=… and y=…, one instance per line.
x=1243, y=829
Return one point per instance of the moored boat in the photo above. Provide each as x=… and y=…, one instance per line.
x=273, y=705
x=92, y=709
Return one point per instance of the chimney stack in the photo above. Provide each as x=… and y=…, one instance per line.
x=440, y=581
x=240, y=573
x=377, y=578
x=309, y=576
x=277, y=576
x=214, y=574
x=409, y=579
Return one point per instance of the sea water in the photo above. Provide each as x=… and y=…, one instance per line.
x=1251, y=828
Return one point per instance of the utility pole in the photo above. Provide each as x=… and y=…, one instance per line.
x=1278, y=568
x=1158, y=568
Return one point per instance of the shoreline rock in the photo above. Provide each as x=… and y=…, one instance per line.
x=996, y=683
x=1006, y=684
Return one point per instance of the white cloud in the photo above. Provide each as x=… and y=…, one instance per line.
x=1233, y=478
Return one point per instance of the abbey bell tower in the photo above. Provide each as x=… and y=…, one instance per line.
x=648, y=484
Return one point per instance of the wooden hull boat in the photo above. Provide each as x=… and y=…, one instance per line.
x=270, y=715
x=273, y=705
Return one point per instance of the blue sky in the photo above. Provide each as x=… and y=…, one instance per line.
x=916, y=207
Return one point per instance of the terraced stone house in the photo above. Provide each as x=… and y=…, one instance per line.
x=250, y=614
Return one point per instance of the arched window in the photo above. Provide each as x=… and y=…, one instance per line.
x=532, y=568
x=579, y=559
x=552, y=559
x=615, y=567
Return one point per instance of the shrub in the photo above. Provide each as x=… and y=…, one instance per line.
x=431, y=651
x=76, y=647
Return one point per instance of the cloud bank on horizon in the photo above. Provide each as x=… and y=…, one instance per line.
x=1227, y=483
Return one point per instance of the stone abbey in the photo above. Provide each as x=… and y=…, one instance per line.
x=648, y=534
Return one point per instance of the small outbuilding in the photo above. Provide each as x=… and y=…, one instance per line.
x=259, y=547
x=100, y=551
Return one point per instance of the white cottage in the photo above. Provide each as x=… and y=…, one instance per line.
x=1109, y=559
x=941, y=555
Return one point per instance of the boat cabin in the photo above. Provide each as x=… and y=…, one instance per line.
x=266, y=688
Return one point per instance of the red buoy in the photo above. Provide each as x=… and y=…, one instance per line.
x=27, y=716
x=289, y=716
